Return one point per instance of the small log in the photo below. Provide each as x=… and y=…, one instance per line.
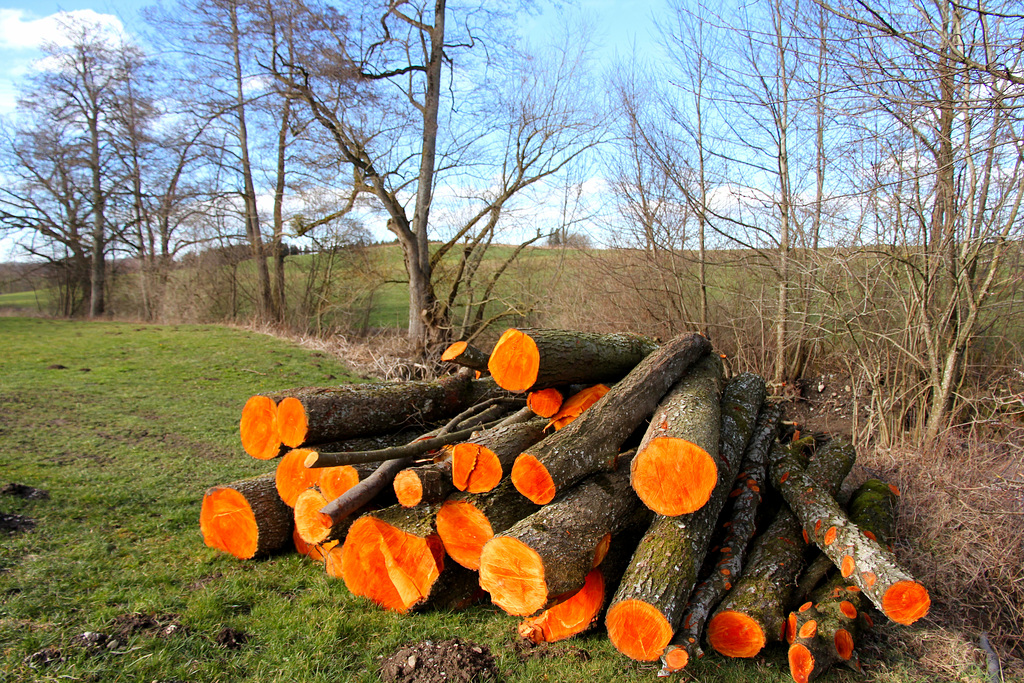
x=591, y=443
x=478, y=465
x=313, y=526
x=545, y=402
x=314, y=551
x=292, y=477
x=258, y=428
x=754, y=612
x=824, y=630
x=740, y=529
x=466, y=355
x=549, y=553
x=652, y=595
x=530, y=359
x=576, y=404
x=246, y=518
x=863, y=561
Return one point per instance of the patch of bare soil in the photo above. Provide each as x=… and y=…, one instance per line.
x=232, y=639
x=11, y=524
x=136, y=623
x=823, y=405
x=447, y=660
x=24, y=492
x=525, y=650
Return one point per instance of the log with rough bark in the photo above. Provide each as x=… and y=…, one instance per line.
x=549, y=553
x=530, y=359
x=741, y=526
x=246, y=518
x=468, y=356
x=824, y=631
x=576, y=404
x=678, y=461
x=467, y=521
x=649, y=603
x=863, y=561
x=258, y=428
x=754, y=612
x=428, y=483
x=590, y=444
x=479, y=464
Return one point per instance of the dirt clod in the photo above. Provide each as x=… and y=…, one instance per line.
x=136, y=623
x=56, y=366
x=44, y=658
x=15, y=524
x=231, y=639
x=447, y=660
x=24, y=492
x=92, y=640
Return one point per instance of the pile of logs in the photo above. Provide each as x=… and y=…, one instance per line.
x=586, y=479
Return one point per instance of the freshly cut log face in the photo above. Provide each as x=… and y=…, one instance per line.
x=258, y=428
x=314, y=551
x=292, y=477
x=318, y=414
x=478, y=465
x=576, y=404
x=649, y=603
x=860, y=559
x=430, y=483
x=394, y=568
x=590, y=444
x=313, y=526
x=754, y=612
x=545, y=402
x=530, y=359
x=466, y=355
x=551, y=552
x=245, y=518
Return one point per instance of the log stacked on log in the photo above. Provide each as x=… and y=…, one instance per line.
x=549, y=515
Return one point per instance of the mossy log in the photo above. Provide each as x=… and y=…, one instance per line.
x=479, y=464
x=246, y=518
x=592, y=442
x=649, y=603
x=740, y=527
x=530, y=359
x=825, y=629
x=549, y=553
x=754, y=611
x=863, y=561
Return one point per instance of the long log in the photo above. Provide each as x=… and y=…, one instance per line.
x=530, y=359
x=245, y=518
x=740, y=529
x=754, y=612
x=549, y=553
x=591, y=443
x=649, y=603
x=863, y=561
x=825, y=629
x=479, y=464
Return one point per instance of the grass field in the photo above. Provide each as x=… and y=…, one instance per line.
x=125, y=437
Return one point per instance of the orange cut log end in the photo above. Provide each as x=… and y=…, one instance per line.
x=514, y=361
x=334, y=481
x=676, y=659
x=734, y=634
x=454, y=351
x=638, y=630
x=905, y=602
x=258, y=428
x=847, y=566
x=464, y=530
x=844, y=644
x=312, y=525
x=314, y=551
x=291, y=422
x=576, y=404
x=791, y=628
x=293, y=477
x=603, y=546
x=531, y=478
x=227, y=523
x=673, y=476
x=475, y=468
x=408, y=488
x=848, y=610
x=569, y=617
x=801, y=663
x=513, y=573
x=394, y=569
x=546, y=402
x=809, y=629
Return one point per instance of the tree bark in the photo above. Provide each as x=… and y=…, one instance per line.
x=246, y=518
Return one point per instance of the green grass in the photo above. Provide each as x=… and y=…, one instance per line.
x=126, y=438
x=31, y=300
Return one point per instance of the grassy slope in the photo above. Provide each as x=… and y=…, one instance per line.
x=126, y=450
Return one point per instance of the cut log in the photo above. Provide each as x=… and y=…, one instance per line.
x=320, y=414
x=860, y=559
x=467, y=521
x=246, y=518
x=754, y=612
x=478, y=465
x=429, y=483
x=314, y=551
x=590, y=444
x=576, y=404
x=649, y=603
x=825, y=632
x=313, y=526
x=292, y=477
x=466, y=355
x=335, y=481
x=531, y=359
x=583, y=609
x=740, y=529
x=545, y=402
x=550, y=553
x=258, y=428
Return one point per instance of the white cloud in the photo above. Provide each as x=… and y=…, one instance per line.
x=21, y=31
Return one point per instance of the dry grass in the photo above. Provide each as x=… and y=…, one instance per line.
x=961, y=532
